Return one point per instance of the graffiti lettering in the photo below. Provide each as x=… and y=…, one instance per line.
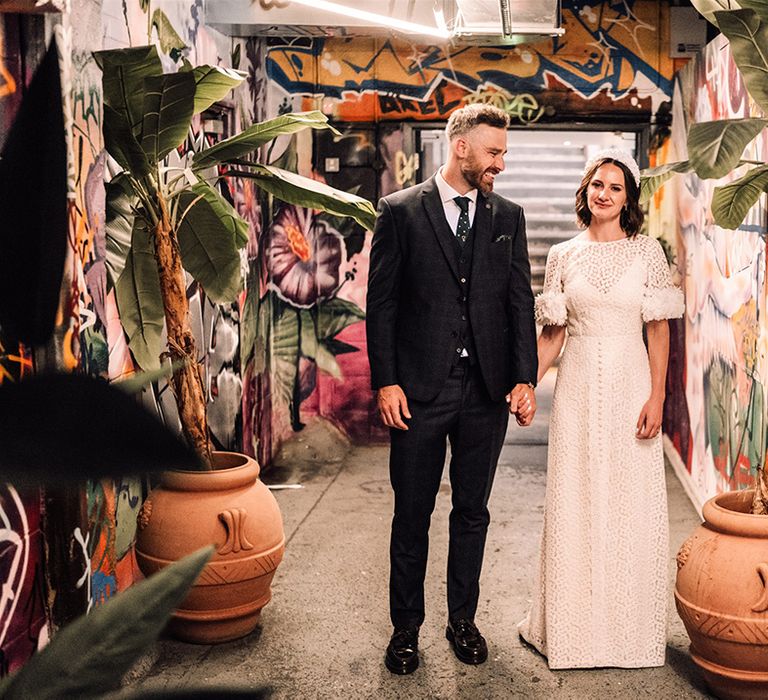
x=405, y=167
x=524, y=107
x=86, y=577
x=16, y=548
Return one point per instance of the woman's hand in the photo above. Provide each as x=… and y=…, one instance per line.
x=649, y=422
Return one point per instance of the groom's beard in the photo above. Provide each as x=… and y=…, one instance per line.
x=480, y=178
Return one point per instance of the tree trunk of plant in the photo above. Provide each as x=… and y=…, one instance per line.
x=760, y=499
x=187, y=383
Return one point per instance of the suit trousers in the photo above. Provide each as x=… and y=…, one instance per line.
x=475, y=426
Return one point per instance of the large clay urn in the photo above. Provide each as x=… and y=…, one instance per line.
x=721, y=596
x=227, y=507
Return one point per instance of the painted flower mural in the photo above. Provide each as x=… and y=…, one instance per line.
x=303, y=257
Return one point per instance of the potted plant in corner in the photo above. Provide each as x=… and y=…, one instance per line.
x=164, y=223
x=721, y=591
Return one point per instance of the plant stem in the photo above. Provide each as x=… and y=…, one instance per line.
x=186, y=383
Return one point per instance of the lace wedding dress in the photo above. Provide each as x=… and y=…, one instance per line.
x=601, y=596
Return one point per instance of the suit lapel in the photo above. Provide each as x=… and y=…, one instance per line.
x=483, y=232
x=434, y=208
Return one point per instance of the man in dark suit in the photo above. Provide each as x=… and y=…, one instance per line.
x=452, y=347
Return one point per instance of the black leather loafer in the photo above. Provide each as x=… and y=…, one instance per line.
x=468, y=644
x=403, y=651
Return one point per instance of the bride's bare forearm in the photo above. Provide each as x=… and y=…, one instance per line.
x=549, y=345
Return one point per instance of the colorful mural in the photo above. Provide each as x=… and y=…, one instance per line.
x=607, y=64
x=716, y=421
x=23, y=595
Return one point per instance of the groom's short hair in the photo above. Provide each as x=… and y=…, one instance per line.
x=466, y=118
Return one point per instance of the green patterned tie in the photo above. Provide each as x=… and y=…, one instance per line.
x=462, y=228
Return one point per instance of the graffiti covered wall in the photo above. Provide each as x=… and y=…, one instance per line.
x=611, y=65
x=716, y=413
x=611, y=62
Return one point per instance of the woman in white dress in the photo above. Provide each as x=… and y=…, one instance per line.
x=601, y=596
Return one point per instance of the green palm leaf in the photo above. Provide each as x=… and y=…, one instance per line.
x=124, y=71
x=213, y=83
x=208, y=243
x=168, y=104
x=122, y=145
x=732, y=202
x=98, y=648
x=139, y=299
x=121, y=200
x=747, y=33
x=306, y=192
x=716, y=147
x=257, y=135
x=759, y=6
x=707, y=8
x=653, y=178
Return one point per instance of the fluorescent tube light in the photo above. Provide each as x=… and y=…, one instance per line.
x=383, y=20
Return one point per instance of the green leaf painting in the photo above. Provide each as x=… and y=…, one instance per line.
x=284, y=351
x=169, y=39
x=334, y=315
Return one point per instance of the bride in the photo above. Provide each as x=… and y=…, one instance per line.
x=601, y=597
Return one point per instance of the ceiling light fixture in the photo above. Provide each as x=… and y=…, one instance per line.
x=383, y=20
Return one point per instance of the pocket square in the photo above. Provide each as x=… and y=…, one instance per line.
x=502, y=237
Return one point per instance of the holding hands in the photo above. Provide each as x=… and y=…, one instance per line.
x=522, y=404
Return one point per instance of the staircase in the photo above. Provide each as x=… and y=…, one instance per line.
x=543, y=179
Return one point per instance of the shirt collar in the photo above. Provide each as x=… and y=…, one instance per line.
x=447, y=193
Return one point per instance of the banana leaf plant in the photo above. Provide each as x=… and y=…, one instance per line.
x=163, y=221
x=716, y=148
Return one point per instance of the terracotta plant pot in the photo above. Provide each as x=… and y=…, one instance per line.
x=230, y=508
x=721, y=596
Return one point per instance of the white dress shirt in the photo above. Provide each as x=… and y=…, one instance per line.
x=451, y=209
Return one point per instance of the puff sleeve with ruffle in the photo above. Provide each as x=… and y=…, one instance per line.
x=662, y=299
x=550, y=308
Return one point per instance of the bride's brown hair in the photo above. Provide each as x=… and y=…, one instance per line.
x=631, y=218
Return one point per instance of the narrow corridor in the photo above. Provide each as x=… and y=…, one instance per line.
x=325, y=631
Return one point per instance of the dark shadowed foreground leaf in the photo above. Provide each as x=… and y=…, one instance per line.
x=41, y=417
x=90, y=656
x=33, y=201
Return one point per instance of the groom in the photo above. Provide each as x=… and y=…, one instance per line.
x=451, y=342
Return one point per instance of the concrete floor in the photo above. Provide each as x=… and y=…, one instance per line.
x=325, y=631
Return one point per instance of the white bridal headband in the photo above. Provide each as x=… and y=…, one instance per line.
x=616, y=154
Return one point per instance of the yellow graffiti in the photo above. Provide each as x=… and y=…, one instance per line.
x=9, y=86
x=524, y=107
x=405, y=167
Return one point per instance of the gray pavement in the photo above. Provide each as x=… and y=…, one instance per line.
x=325, y=631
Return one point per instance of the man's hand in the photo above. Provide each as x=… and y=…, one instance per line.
x=522, y=404
x=393, y=406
